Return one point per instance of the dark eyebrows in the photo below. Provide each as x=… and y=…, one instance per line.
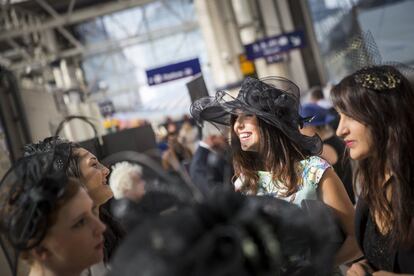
x=81, y=156
x=91, y=159
x=83, y=214
x=75, y=220
x=85, y=155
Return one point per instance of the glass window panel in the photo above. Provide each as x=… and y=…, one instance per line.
x=336, y=22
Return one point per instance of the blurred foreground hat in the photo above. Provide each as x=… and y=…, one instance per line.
x=228, y=234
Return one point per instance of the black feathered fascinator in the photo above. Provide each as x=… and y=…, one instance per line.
x=28, y=193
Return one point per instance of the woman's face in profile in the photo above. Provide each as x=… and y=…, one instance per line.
x=75, y=241
x=94, y=176
x=246, y=129
x=357, y=137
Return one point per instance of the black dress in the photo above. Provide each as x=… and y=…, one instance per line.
x=402, y=258
x=377, y=247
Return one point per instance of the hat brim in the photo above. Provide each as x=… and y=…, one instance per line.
x=275, y=105
x=216, y=114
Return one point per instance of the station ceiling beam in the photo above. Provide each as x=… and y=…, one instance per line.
x=112, y=45
x=61, y=29
x=75, y=17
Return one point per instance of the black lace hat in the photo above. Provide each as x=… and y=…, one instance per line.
x=275, y=100
x=28, y=194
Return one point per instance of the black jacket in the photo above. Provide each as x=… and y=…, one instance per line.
x=209, y=170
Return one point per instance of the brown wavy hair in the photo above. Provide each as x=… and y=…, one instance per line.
x=389, y=117
x=277, y=154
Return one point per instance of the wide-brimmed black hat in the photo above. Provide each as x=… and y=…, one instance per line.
x=274, y=100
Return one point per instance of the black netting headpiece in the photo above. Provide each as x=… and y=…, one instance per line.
x=28, y=194
x=46, y=145
x=378, y=78
x=369, y=70
x=274, y=100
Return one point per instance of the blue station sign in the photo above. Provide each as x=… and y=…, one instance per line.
x=271, y=46
x=173, y=71
x=270, y=59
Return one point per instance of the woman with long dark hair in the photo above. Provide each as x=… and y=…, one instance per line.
x=377, y=121
x=271, y=157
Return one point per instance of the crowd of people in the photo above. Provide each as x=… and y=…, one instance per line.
x=276, y=187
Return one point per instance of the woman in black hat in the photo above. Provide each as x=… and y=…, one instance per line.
x=84, y=166
x=48, y=218
x=270, y=155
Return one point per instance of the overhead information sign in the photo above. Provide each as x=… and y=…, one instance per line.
x=275, y=58
x=271, y=46
x=173, y=71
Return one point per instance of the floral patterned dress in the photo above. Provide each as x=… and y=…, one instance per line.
x=312, y=170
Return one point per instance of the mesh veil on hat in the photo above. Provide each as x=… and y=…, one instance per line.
x=28, y=193
x=274, y=100
x=365, y=62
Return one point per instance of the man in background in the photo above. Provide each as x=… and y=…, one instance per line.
x=211, y=166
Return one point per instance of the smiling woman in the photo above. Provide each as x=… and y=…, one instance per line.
x=270, y=155
x=246, y=128
x=94, y=176
x=49, y=218
x=85, y=167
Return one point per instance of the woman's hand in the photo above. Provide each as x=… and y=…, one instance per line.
x=387, y=273
x=363, y=269
x=360, y=269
